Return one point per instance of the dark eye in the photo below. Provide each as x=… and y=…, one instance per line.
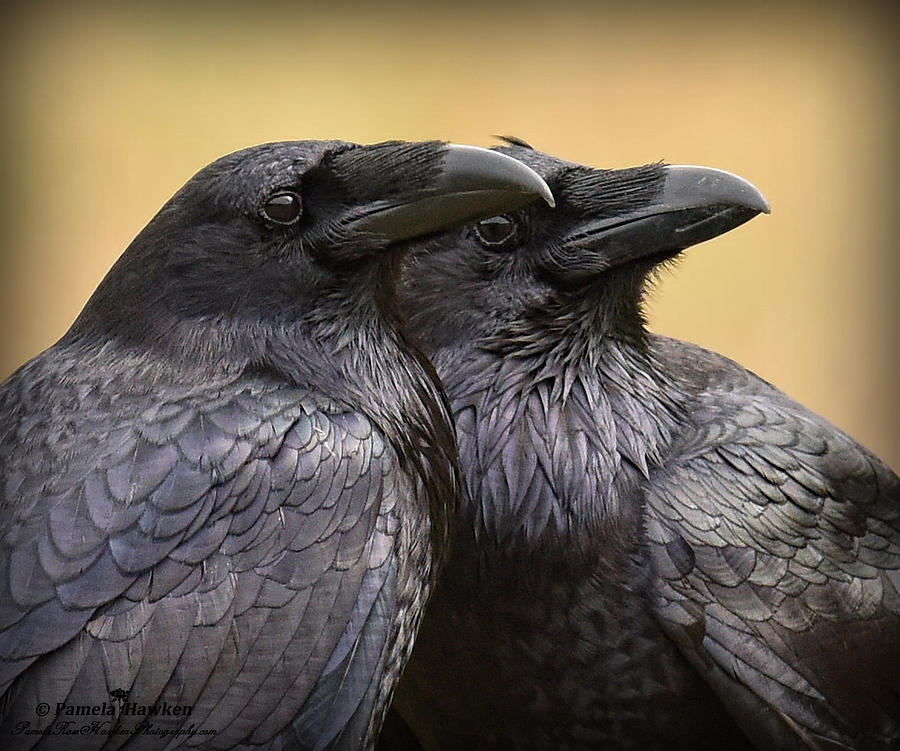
x=282, y=208
x=496, y=232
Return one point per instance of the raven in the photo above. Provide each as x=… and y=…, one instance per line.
x=657, y=548
x=225, y=492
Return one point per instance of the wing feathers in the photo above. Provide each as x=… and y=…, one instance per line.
x=225, y=553
x=792, y=527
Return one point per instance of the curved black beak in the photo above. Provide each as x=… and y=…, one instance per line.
x=471, y=184
x=695, y=204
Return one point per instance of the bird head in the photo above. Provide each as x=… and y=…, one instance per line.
x=583, y=264
x=289, y=232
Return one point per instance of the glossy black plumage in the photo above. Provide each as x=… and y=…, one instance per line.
x=657, y=548
x=228, y=486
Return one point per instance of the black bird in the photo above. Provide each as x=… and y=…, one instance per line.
x=657, y=548
x=224, y=493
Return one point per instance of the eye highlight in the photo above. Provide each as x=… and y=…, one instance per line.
x=284, y=207
x=497, y=232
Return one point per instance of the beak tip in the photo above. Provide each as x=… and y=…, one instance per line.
x=762, y=206
x=505, y=172
x=689, y=185
x=752, y=198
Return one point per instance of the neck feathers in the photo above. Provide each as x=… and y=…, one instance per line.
x=554, y=443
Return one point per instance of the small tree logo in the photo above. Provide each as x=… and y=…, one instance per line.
x=120, y=695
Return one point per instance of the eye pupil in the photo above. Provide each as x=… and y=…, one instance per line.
x=496, y=231
x=282, y=208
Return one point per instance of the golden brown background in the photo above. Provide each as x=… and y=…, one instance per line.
x=109, y=109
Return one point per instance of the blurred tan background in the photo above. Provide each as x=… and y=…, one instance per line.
x=108, y=110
